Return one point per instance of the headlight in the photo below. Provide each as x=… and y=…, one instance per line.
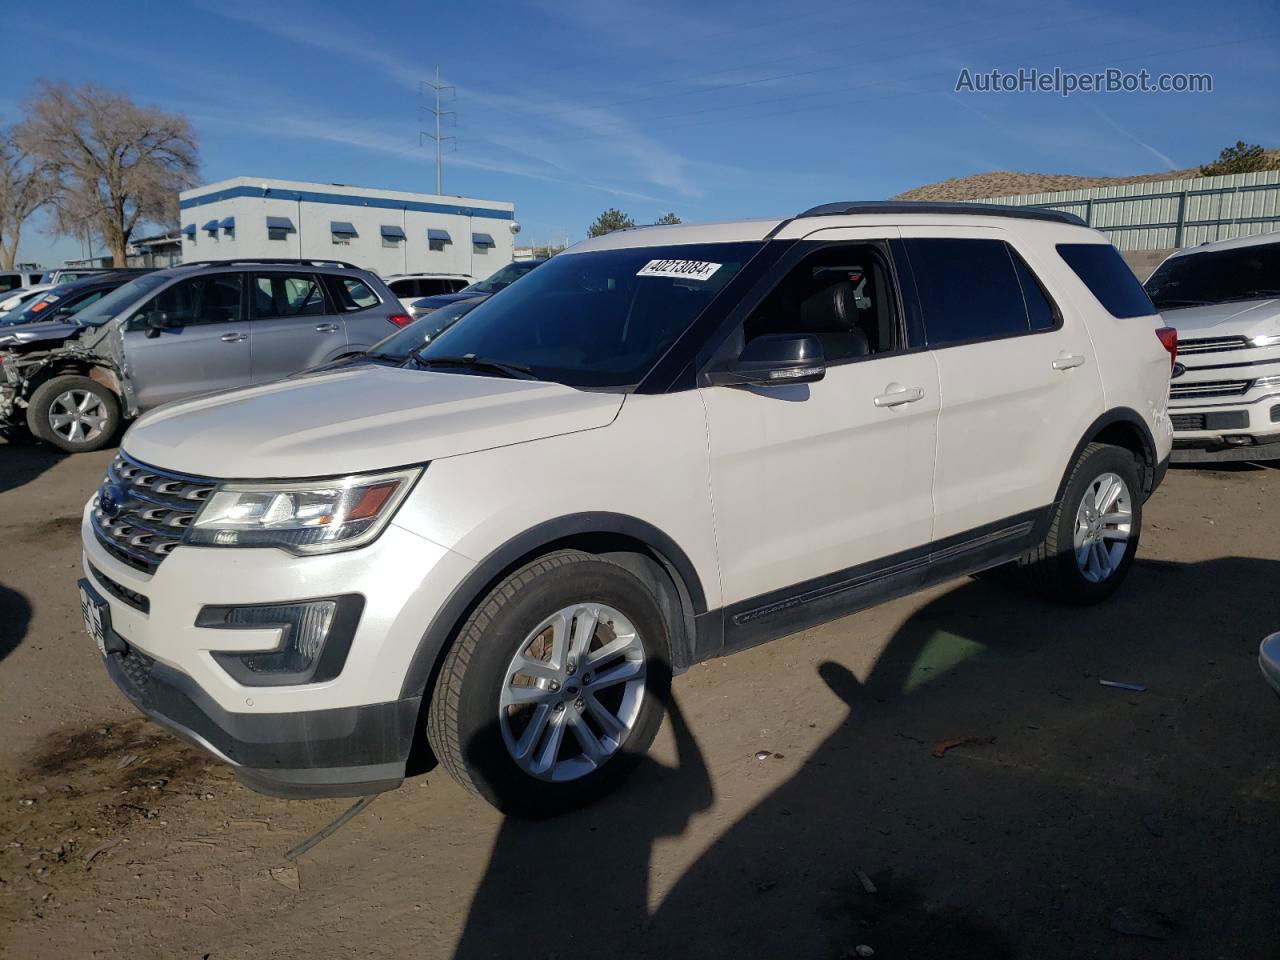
x=1271, y=340
x=420, y=312
x=303, y=517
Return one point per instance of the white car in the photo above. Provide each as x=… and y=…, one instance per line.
x=409, y=287
x=1224, y=300
x=18, y=297
x=662, y=446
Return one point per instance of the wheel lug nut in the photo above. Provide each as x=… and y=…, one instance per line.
x=586, y=678
x=560, y=707
x=579, y=704
x=554, y=686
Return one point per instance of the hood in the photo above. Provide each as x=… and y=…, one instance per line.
x=358, y=419
x=1238, y=316
x=41, y=331
x=444, y=299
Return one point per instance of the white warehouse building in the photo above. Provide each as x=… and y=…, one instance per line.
x=386, y=231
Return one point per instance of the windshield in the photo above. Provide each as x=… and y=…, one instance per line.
x=101, y=311
x=503, y=278
x=1245, y=273
x=422, y=331
x=596, y=319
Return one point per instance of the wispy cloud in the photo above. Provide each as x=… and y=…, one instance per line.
x=1130, y=135
x=628, y=151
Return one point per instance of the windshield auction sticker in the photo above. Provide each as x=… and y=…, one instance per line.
x=683, y=269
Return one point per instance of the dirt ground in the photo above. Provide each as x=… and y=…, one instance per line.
x=1082, y=822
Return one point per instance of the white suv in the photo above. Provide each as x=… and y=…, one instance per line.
x=663, y=446
x=1224, y=300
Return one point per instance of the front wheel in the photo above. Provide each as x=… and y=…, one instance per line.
x=73, y=413
x=1094, y=534
x=554, y=687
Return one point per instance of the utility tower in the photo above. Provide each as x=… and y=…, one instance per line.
x=436, y=88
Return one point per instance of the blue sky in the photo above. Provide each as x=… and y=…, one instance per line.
x=713, y=110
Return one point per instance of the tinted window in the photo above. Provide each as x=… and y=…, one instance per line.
x=1040, y=310
x=9, y=281
x=404, y=288
x=432, y=287
x=968, y=290
x=504, y=277
x=1217, y=276
x=596, y=319
x=200, y=300
x=350, y=293
x=287, y=295
x=1108, y=277
x=841, y=294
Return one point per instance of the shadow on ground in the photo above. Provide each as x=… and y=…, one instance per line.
x=20, y=463
x=1098, y=822
x=15, y=618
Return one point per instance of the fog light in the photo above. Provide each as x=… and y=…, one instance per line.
x=1238, y=440
x=313, y=639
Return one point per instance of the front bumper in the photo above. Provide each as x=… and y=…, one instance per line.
x=348, y=751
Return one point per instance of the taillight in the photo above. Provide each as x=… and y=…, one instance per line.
x=400, y=319
x=1169, y=340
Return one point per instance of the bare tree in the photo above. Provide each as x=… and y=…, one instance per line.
x=26, y=185
x=118, y=164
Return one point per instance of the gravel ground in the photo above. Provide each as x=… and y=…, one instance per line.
x=1079, y=821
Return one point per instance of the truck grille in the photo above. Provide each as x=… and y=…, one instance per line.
x=1209, y=388
x=140, y=514
x=1212, y=345
x=1188, y=421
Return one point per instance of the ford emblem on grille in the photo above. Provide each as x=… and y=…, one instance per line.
x=111, y=500
x=1178, y=370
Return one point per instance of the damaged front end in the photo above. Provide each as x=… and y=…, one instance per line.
x=34, y=353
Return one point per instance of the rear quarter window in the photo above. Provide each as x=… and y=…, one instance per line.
x=351, y=293
x=1101, y=268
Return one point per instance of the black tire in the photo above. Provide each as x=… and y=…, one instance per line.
x=1051, y=570
x=463, y=726
x=39, y=412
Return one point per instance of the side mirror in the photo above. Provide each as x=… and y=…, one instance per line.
x=774, y=360
x=156, y=321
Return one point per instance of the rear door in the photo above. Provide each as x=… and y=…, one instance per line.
x=363, y=309
x=1017, y=372
x=203, y=347
x=292, y=326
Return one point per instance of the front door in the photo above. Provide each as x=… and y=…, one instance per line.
x=823, y=491
x=202, y=345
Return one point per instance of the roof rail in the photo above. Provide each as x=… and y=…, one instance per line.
x=270, y=260
x=931, y=206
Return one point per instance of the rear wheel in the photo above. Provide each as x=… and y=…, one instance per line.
x=554, y=687
x=1094, y=534
x=74, y=413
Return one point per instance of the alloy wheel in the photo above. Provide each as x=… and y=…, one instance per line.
x=78, y=416
x=573, y=692
x=1104, y=522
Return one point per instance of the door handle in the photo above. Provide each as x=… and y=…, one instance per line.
x=233, y=337
x=327, y=327
x=895, y=395
x=1065, y=361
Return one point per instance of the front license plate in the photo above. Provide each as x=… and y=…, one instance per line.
x=96, y=615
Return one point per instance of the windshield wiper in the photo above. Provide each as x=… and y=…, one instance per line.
x=470, y=361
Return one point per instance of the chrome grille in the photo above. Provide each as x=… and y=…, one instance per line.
x=1212, y=345
x=140, y=513
x=1209, y=388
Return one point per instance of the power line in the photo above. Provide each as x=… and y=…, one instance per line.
x=436, y=87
